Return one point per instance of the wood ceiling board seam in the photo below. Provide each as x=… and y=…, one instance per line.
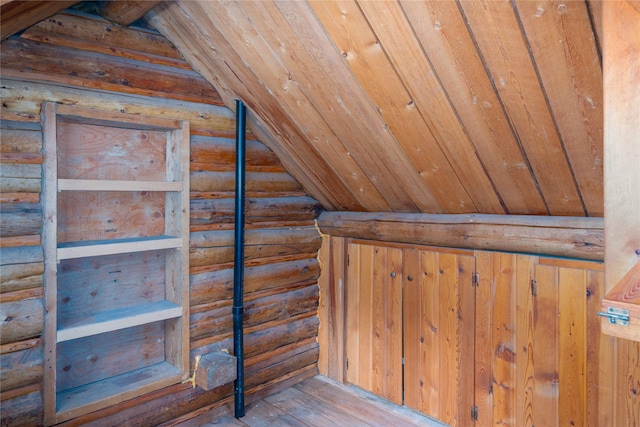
x=348, y=28
x=342, y=124
x=176, y=22
x=293, y=103
x=496, y=31
x=445, y=38
x=344, y=157
x=594, y=8
x=424, y=88
x=303, y=20
x=562, y=42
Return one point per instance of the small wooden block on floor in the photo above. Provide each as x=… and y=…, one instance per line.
x=215, y=369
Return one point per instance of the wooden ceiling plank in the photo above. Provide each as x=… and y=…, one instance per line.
x=251, y=44
x=363, y=119
x=350, y=126
x=595, y=11
x=496, y=30
x=126, y=12
x=161, y=18
x=444, y=37
x=211, y=55
x=415, y=71
x=16, y=16
x=275, y=63
x=564, y=47
x=350, y=31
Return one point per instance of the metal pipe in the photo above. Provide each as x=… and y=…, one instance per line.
x=238, y=263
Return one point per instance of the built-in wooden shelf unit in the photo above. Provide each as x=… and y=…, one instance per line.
x=116, y=241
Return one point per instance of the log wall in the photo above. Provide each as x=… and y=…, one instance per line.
x=81, y=60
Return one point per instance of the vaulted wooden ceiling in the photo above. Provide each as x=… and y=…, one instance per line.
x=491, y=106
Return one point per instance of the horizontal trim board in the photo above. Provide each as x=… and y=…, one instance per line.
x=113, y=185
x=108, y=247
x=123, y=318
x=572, y=237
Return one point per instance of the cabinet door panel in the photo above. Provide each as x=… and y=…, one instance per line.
x=439, y=330
x=374, y=320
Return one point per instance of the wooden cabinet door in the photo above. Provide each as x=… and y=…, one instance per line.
x=374, y=319
x=439, y=334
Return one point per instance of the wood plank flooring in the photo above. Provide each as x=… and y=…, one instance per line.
x=322, y=402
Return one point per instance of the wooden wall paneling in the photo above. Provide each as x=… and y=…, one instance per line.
x=546, y=349
x=563, y=44
x=359, y=314
x=327, y=288
x=600, y=356
x=524, y=349
x=421, y=326
x=496, y=30
x=504, y=338
x=483, y=354
x=447, y=295
x=452, y=53
x=572, y=346
x=466, y=317
x=374, y=320
x=626, y=380
x=337, y=332
x=445, y=336
x=427, y=95
x=350, y=31
x=387, y=323
x=184, y=34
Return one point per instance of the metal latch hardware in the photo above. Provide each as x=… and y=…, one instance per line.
x=616, y=316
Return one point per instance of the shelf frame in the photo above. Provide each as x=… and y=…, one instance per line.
x=173, y=310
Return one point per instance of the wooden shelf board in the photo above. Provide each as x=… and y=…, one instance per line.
x=114, y=320
x=73, y=402
x=114, y=185
x=90, y=248
x=625, y=295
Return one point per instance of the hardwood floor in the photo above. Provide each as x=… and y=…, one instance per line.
x=321, y=402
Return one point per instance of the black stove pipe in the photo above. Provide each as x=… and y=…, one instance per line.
x=238, y=263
